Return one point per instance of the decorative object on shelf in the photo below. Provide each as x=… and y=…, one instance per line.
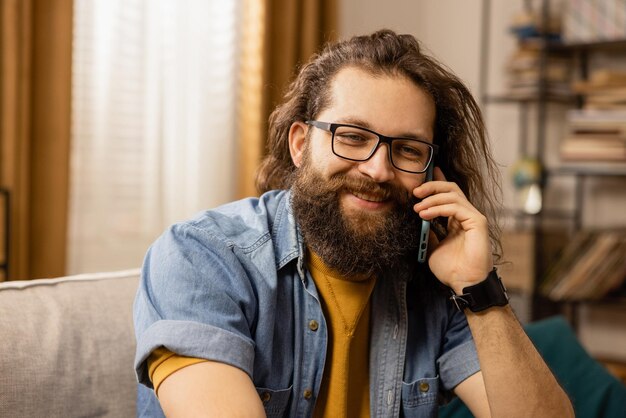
x=527, y=177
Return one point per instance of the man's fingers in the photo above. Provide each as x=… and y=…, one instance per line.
x=442, y=199
x=450, y=210
x=436, y=187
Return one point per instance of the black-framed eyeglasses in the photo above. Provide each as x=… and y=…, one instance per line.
x=356, y=143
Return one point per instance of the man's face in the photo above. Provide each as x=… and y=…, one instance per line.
x=370, y=201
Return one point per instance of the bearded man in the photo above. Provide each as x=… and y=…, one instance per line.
x=309, y=301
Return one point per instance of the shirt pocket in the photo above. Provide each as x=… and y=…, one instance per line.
x=275, y=402
x=419, y=398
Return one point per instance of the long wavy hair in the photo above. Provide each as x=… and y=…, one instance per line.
x=464, y=150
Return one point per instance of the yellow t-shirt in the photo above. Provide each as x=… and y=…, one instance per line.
x=345, y=382
x=162, y=363
x=346, y=305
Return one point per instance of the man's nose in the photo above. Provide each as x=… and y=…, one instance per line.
x=378, y=167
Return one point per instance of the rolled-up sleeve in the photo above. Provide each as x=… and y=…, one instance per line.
x=459, y=359
x=195, y=299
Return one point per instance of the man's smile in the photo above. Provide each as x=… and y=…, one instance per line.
x=370, y=197
x=367, y=201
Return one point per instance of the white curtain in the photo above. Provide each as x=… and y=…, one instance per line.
x=154, y=105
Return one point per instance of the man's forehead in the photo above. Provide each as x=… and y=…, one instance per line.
x=377, y=100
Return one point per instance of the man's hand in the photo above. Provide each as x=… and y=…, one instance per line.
x=514, y=380
x=464, y=257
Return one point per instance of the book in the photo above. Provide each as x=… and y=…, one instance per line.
x=584, y=269
x=577, y=245
x=594, y=135
x=593, y=147
x=608, y=275
x=591, y=266
x=615, y=271
x=601, y=79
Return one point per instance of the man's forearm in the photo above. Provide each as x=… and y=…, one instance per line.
x=517, y=380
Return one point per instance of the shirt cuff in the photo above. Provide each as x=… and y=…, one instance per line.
x=458, y=364
x=193, y=339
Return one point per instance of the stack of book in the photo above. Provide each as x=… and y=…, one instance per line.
x=604, y=90
x=524, y=68
x=595, y=135
x=524, y=74
x=592, y=266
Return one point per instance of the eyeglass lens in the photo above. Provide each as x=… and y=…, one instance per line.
x=359, y=144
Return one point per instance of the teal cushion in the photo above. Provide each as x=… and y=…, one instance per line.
x=592, y=389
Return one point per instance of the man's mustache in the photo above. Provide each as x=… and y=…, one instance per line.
x=343, y=182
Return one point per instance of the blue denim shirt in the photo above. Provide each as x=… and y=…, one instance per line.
x=231, y=286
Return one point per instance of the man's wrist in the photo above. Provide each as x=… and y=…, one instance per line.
x=483, y=295
x=465, y=282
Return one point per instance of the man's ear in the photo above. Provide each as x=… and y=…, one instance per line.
x=297, y=138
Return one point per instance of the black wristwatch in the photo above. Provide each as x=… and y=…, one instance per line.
x=490, y=292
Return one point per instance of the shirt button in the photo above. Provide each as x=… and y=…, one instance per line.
x=308, y=394
x=424, y=387
x=265, y=397
x=313, y=325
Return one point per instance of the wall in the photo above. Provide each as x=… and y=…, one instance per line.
x=451, y=30
x=459, y=49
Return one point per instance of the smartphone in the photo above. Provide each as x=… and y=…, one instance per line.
x=425, y=230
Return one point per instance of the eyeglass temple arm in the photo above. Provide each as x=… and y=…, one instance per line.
x=321, y=125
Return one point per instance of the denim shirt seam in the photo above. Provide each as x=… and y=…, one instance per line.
x=402, y=340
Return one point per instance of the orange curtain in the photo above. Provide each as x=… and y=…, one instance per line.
x=279, y=35
x=35, y=80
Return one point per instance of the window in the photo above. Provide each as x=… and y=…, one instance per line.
x=153, y=122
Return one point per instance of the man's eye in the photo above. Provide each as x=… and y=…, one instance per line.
x=410, y=151
x=352, y=138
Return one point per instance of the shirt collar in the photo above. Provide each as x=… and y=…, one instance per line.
x=286, y=236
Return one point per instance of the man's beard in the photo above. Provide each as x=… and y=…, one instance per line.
x=358, y=243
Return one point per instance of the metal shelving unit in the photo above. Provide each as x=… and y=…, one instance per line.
x=581, y=172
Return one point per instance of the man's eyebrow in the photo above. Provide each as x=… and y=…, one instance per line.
x=355, y=121
x=364, y=124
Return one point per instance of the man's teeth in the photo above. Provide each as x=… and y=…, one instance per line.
x=369, y=197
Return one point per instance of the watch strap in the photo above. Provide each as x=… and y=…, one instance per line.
x=484, y=295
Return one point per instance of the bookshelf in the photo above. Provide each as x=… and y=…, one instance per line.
x=537, y=89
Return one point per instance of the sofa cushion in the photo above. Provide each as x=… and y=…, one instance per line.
x=67, y=346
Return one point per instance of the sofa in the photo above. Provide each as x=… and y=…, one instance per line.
x=67, y=346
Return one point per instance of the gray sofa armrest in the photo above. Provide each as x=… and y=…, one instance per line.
x=67, y=346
